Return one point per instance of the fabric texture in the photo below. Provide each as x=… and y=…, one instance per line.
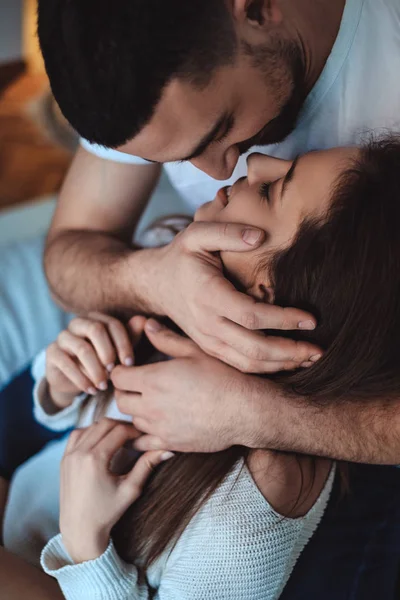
x=235, y=548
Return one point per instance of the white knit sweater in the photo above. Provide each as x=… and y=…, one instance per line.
x=235, y=548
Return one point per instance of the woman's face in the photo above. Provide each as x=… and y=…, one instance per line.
x=276, y=196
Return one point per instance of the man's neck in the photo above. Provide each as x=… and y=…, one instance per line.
x=316, y=24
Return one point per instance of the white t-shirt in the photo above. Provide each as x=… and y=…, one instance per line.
x=358, y=91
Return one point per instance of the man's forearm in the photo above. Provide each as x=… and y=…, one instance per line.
x=90, y=271
x=354, y=430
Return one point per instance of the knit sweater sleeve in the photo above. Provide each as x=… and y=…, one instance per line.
x=106, y=578
x=60, y=420
x=236, y=547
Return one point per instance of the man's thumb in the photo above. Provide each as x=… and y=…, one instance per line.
x=167, y=341
x=218, y=237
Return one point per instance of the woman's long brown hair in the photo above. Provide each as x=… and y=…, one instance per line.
x=346, y=271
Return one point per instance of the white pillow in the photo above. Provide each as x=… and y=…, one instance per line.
x=29, y=318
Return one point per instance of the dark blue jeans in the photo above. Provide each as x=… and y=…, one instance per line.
x=20, y=435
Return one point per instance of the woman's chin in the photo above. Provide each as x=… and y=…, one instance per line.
x=204, y=213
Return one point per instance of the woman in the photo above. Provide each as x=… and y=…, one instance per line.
x=331, y=222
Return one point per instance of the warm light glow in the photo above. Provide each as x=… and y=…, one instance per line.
x=31, y=51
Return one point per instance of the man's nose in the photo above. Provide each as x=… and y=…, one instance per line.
x=217, y=165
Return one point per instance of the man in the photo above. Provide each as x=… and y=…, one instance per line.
x=204, y=81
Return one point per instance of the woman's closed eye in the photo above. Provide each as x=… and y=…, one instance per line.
x=264, y=191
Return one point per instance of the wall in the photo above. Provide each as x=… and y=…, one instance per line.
x=10, y=30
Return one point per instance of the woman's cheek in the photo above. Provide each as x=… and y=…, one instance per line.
x=240, y=266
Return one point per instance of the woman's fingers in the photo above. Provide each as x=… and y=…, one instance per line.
x=134, y=482
x=119, y=336
x=97, y=334
x=95, y=433
x=73, y=440
x=62, y=361
x=114, y=440
x=107, y=436
x=87, y=357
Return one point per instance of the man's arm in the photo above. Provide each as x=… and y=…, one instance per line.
x=350, y=429
x=195, y=403
x=88, y=259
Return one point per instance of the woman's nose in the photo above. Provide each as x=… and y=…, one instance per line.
x=262, y=168
x=219, y=165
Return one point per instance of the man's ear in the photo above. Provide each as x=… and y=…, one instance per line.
x=257, y=13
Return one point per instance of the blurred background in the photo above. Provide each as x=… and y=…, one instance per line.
x=36, y=144
x=36, y=149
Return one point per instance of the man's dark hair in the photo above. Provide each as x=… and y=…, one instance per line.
x=109, y=60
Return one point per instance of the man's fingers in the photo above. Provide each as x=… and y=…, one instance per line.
x=135, y=480
x=129, y=403
x=129, y=379
x=144, y=443
x=259, y=348
x=136, y=328
x=217, y=237
x=250, y=314
x=236, y=359
x=169, y=342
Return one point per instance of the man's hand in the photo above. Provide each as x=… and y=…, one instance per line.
x=194, y=403
x=190, y=289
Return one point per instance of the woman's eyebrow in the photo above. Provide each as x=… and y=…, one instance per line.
x=289, y=175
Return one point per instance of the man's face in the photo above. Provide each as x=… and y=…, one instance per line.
x=243, y=105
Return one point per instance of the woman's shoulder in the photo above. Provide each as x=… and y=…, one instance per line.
x=291, y=485
x=238, y=542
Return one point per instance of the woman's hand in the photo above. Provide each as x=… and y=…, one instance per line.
x=82, y=357
x=93, y=499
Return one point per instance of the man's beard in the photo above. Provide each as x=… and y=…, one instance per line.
x=271, y=61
